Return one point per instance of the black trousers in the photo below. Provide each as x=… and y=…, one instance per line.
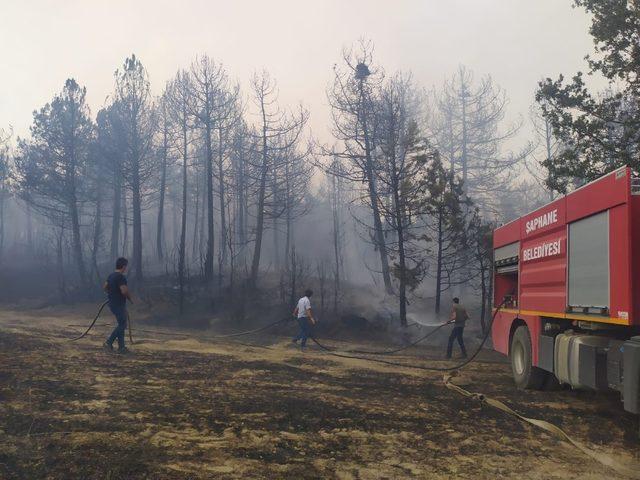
x=456, y=333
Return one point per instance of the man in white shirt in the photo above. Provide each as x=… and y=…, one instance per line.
x=305, y=318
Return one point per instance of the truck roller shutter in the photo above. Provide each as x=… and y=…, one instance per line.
x=506, y=258
x=589, y=262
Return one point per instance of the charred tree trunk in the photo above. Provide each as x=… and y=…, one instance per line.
x=402, y=263
x=136, y=199
x=70, y=174
x=465, y=141
x=289, y=234
x=439, y=245
x=77, y=242
x=488, y=300
x=2, y=204
x=293, y=276
x=175, y=206
x=483, y=295
x=29, y=229
x=378, y=233
x=163, y=187
x=97, y=233
x=276, y=250
x=196, y=216
x=60, y=264
x=322, y=281
x=288, y=208
x=201, y=233
x=183, y=225
x=223, y=218
x=115, y=222
x=241, y=236
x=337, y=254
x=373, y=197
x=255, y=264
x=208, y=261
x=125, y=224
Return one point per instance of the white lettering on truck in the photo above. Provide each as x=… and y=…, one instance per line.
x=542, y=221
x=547, y=249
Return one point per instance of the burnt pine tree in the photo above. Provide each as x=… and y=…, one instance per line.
x=136, y=112
x=242, y=149
x=480, y=242
x=448, y=209
x=467, y=126
x=601, y=131
x=4, y=184
x=292, y=176
x=546, y=146
x=403, y=189
x=210, y=84
x=163, y=154
x=178, y=98
x=229, y=114
x=337, y=200
x=352, y=100
x=112, y=149
x=97, y=172
x=278, y=131
x=51, y=165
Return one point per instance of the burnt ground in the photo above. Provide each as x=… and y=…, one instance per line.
x=182, y=408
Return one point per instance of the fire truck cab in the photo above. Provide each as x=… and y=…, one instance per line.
x=567, y=290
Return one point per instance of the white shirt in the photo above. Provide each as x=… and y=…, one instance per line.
x=303, y=305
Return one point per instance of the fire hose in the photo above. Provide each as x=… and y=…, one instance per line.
x=399, y=349
x=95, y=319
x=602, y=458
x=213, y=337
x=229, y=335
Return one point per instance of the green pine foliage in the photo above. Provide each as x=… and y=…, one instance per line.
x=600, y=130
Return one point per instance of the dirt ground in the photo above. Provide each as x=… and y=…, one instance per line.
x=180, y=408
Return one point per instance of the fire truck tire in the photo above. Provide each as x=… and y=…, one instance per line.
x=525, y=374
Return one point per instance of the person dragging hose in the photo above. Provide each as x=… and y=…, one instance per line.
x=118, y=293
x=459, y=317
x=305, y=319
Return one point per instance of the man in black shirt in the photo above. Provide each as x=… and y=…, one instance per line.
x=118, y=293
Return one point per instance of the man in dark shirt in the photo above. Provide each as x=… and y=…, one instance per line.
x=118, y=293
x=459, y=316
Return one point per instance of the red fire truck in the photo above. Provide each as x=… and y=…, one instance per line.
x=567, y=286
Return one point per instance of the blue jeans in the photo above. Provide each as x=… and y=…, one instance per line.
x=456, y=333
x=305, y=331
x=120, y=313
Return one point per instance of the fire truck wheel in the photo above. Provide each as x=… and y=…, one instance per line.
x=524, y=373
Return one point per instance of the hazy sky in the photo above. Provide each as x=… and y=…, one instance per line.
x=516, y=41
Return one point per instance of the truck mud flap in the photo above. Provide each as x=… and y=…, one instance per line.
x=614, y=365
x=546, y=347
x=631, y=375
